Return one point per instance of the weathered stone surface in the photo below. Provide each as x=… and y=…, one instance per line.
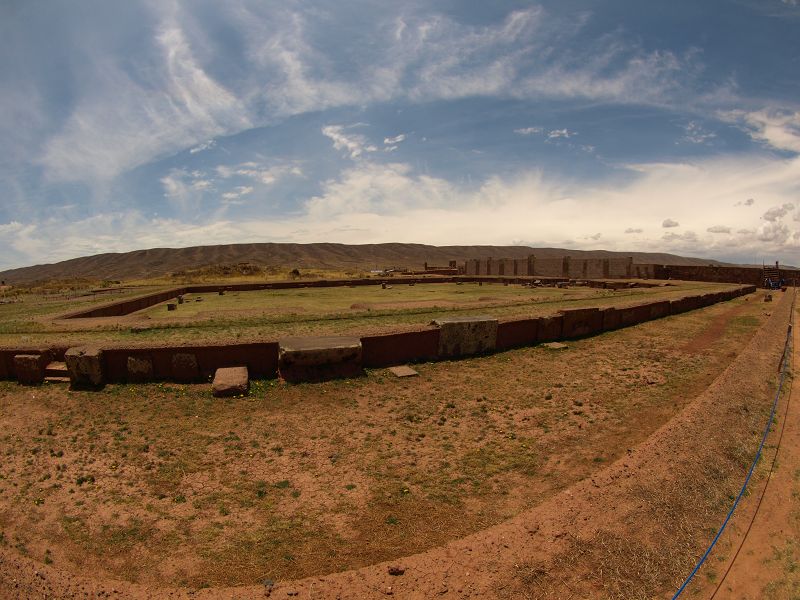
x=319, y=358
x=30, y=368
x=172, y=306
x=555, y=346
x=403, y=371
x=231, y=381
x=581, y=322
x=85, y=365
x=463, y=336
x=140, y=368
x=184, y=367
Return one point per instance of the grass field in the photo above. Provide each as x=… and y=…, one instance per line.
x=270, y=314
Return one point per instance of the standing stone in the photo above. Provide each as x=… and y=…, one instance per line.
x=85, y=365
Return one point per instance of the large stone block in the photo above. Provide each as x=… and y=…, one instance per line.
x=139, y=368
x=581, y=322
x=184, y=367
x=319, y=358
x=230, y=381
x=550, y=328
x=85, y=366
x=30, y=368
x=464, y=336
x=514, y=334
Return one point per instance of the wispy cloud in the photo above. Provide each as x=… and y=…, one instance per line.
x=353, y=144
x=670, y=223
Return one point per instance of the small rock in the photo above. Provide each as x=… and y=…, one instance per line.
x=555, y=345
x=403, y=371
x=395, y=571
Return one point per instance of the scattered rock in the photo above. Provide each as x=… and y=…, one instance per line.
x=555, y=346
x=395, y=570
x=403, y=371
x=230, y=381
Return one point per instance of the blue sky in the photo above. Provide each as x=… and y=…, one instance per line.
x=622, y=125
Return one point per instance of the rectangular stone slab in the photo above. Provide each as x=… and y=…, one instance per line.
x=230, y=381
x=319, y=358
x=403, y=371
x=463, y=336
x=317, y=351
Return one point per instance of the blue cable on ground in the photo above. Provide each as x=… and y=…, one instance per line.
x=755, y=460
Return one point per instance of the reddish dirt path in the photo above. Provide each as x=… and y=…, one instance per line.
x=764, y=545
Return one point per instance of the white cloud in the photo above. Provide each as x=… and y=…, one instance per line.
x=694, y=133
x=560, y=133
x=778, y=128
x=120, y=122
x=354, y=144
x=391, y=141
x=634, y=230
x=777, y=212
x=719, y=229
x=529, y=130
x=688, y=236
x=204, y=146
x=258, y=172
x=670, y=223
x=380, y=203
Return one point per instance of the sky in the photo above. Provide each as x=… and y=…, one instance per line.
x=663, y=126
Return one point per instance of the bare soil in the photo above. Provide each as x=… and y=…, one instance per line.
x=505, y=454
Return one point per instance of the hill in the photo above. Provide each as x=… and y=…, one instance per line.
x=158, y=262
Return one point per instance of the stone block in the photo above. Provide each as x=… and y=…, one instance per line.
x=319, y=358
x=464, y=336
x=231, y=381
x=403, y=371
x=85, y=365
x=30, y=368
x=184, y=367
x=513, y=334
x=140, y=368
x=581, y=322
x=611, y=319
x=171, y=306
x=549, y=329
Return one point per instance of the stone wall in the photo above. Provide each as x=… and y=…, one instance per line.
x=198, y=363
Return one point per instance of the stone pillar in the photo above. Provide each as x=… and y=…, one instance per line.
x=606, y=268
x=565, y=267
x=532, y=265
x=489, y=266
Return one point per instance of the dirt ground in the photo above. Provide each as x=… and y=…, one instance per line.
x=167, y=487
x=759, y=558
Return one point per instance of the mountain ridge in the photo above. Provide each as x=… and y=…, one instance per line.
x=157, y=262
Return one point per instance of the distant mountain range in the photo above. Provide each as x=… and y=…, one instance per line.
x=158, y=262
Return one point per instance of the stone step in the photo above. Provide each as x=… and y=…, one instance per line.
x=56, y=369
x=55, y=379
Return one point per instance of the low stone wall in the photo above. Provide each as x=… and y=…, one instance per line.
x=451, y=339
